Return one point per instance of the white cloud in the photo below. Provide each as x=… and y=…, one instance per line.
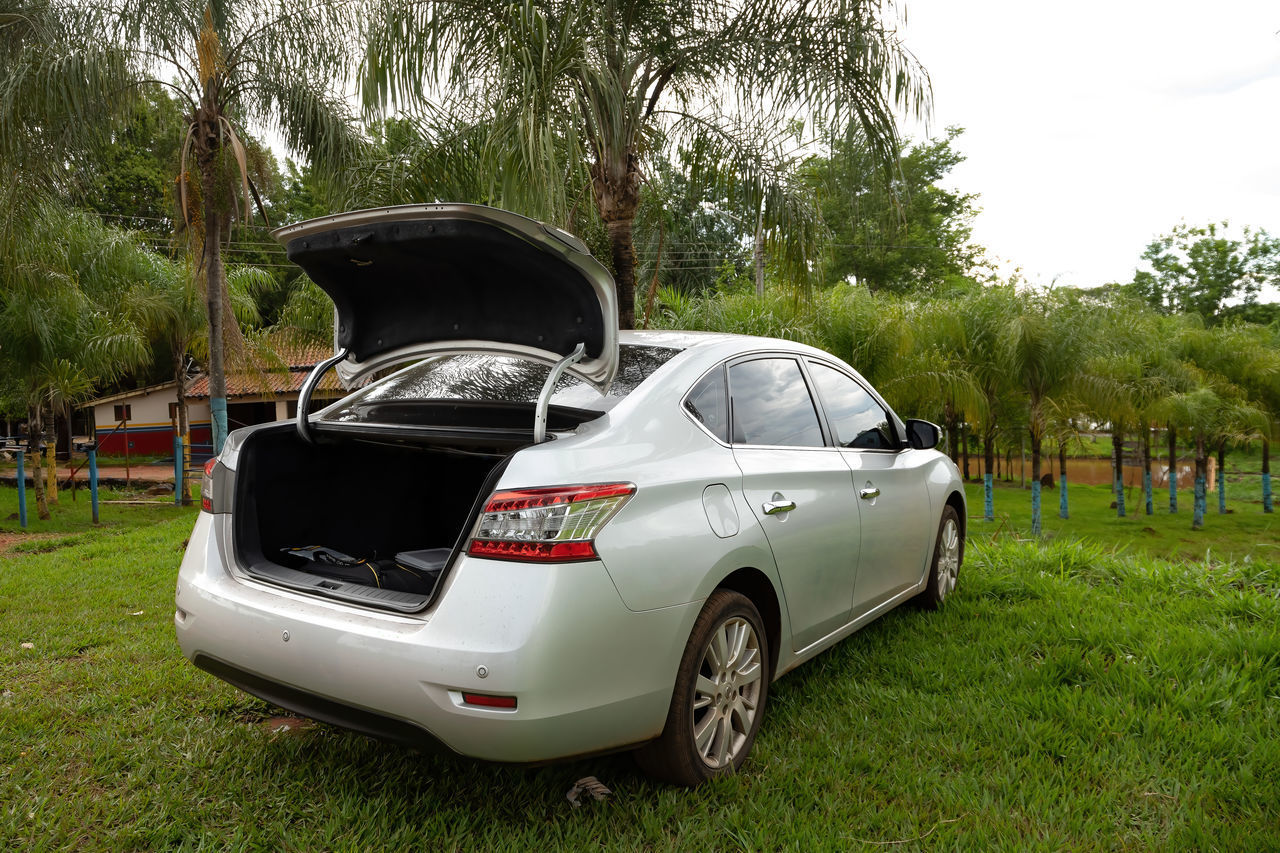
x=1094, y=126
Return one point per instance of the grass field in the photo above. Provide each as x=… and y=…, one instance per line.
x=1244, y=531
x=1072, y=696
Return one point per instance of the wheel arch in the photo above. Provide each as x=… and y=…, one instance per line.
x=956, y=501
x=755, y=585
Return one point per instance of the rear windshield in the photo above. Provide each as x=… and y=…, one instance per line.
x=484, y=378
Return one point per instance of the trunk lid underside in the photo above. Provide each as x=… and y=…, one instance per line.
x=420, y=279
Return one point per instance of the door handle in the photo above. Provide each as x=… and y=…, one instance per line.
x=775, y=507
x=869, y=493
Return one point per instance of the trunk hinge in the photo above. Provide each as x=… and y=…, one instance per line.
x=304, y=395
x=544, y=397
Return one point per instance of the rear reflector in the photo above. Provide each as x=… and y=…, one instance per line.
x=548, y=525
x=487, y=701
x=206, y=486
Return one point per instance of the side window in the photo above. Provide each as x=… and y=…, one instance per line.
x=709, y=403
x=771, y=404
x=858, y=420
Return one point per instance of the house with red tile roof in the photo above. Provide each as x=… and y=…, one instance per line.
x=145, y=420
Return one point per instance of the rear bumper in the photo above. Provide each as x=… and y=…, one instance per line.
x=587, y=673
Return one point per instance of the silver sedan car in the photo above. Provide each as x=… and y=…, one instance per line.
x=544, y=537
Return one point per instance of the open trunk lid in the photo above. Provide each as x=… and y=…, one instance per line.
x=417, y=280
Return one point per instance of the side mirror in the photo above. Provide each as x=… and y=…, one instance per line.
x=923, y=435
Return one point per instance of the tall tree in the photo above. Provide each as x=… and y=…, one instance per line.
x=1198, y=270
x=604, y=83
x=899, y=231
x=71, y=298
x=1043, y=349
x=280, y=66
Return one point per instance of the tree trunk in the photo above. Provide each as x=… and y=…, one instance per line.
x=1266, y=476
x=1202, y=467
x=615, y=183
x=184, y=428
x=1173, y=468
x=206, y=145
x=989, y=460
x=1035, y=483
x=1063, y=511
x=51, y=457
x=624, y=269
x=1222, y=476
x=964, y=449
x=1146, y=467
x=949, y=426
x=757, y=253
x=1117, y=465
x=35, y=430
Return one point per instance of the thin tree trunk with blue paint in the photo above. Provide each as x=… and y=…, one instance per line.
x=1266, y=476
x=1117, y=462
x=1146, y=467
x=1173, y=469
x=1202, y=465
x=988, y=492
x=1222, y=477
x=1035, y=484
x=1062, y=481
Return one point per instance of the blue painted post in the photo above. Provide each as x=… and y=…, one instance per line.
x=93, y=480
x=22, y=491
x=988, y=507
x=177, y=470
x=1119, y=490
x=1146, y=490
x=1035, y=507
x=1173, y=487
x=1266, y=493
x=1062, y=498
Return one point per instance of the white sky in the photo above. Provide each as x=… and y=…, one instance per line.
x=1091, y=127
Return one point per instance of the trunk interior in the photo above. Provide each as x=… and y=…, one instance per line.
x=390, y=507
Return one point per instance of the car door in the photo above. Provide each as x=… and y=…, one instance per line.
x=889, y=480
x=800, y=490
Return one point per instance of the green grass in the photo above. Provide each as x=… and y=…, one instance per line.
x=1245, y=531
x=1067, y=698
x=74, y=512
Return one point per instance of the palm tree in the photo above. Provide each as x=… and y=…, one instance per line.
x=1244, y=355
x=282, y=67
x=1042, y=350
x=985, y=315
x=606, y=84
x=1215, y=406
x=67, y=321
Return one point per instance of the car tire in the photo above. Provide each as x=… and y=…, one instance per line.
x=948, y=554
x=719, y=699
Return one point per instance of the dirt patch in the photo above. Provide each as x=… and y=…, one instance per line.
x=288, y=725
x=9, y=539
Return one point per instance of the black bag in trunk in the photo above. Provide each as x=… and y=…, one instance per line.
x=410, y=571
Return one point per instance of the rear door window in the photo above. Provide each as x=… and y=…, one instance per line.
x=771, y=404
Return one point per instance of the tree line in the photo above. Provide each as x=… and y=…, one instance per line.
x=735, y=164
x=1002, y=363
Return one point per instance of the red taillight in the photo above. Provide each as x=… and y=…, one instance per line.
x=550, y=525
x=206, y=486
x=487, y=701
